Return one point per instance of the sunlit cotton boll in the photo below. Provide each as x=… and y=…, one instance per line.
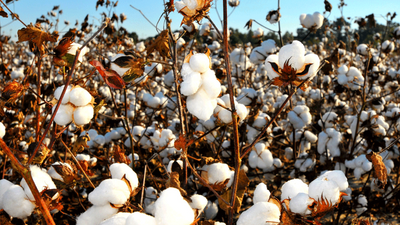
x=218, y=172
x=300, y=116
x=172, y=209
x=113, y=191
x=199, y=62
x=64, y=114
x=292, y=187
x=299, y=204
x=324, y=190
x=16, y=203
x=120, y=170
x=259, y=213
x=117, y=219
x=261, y=193
x=42, y=181
x=260, y=157
x=83, y=115
x=58, y=91
x=96, y=214
x=2, y=130
x=80, y=96
x=138, y=218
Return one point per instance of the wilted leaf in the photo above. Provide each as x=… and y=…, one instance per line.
x=80, y=144
x=182, y=142
x=3, y=13
x=160, y=44
x=135, y=65
x=36, y=36
x=174, y=182
x=243, y=183
x=61, y=50
x=12, y=91
x=170, y=6
x=119, y=155
x=379, y=168
x=111, y=78
x=40, y=155
x=66, y=173
x=197, y=14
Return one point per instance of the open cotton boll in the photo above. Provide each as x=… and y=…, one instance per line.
x=199, y=62
x=201, y=105
x=295, y=52
x=42, y=181
x=191, y=83
x=16, y=203
x=299, y=204
x=198, y=202
x=306, y=20
x=292, y=187
x=170, y=163
x=2, y=130
x=80, y=96
x=138, y=218
x=119, y=170
x=261, y=193
x=318, y=20
x=172, y=209
x=324, y=189
x=58, y=91
x=83, y=115
x=261, y=157
x=64, y=114
x=96, y=214
x=117, y=219
x=113, y=191
x=210, y=84
x=211, y=210
x=53, y=173
x=336, y=176
x=4, y=186
x=218, y=172
x=259, y=214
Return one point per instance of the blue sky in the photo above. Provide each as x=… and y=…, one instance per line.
x=73, y=10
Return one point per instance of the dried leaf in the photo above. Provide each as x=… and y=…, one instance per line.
x=328, y=6
x=36, y=36
x=135, y=71
x=379, y=168
x=12, y=91
x=119, y=155
x=243, y=183
x=160, y=44
x=80, y=144
x=174, y=182
x=3, y=13
x=111, y=78
x=170, y=6
x=61, y=50
x=66, y=173
x=182, y=142
x=249, y=24
x=197, y=14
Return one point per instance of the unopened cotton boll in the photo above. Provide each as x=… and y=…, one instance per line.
x=199, y=62
x=64, y=114
x=172, y=209
x=259, y=213
x=83, y=115
x=16, y=203
x=80, y=96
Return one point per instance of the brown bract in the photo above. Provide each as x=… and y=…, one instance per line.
x=197, y=14
x=35, y=35
x=379, y=168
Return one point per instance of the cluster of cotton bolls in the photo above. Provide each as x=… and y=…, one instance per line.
x=223, y=110
x=76, y=106
x=200, y=85
x=350, y=77
x=313, y=21
x=260, y=53
x=262, y=158
x=18, y=200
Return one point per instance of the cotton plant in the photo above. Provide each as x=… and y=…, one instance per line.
x=76, y=106
x=351, y=77
x=329, y=142
x=314, y=21
x=261, y=157
x=200, y=85
x=240, y=59
x=300, y=116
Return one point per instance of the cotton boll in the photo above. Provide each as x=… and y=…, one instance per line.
x=270, y=71
x=211, y=210
x=261, y=193
x=199, y=62
x=210, y=84
x=138, y=218
x=113, y=191
x=324, y=189
x=191, y=83
x=80, y=96
x=306, y=20
x=83, y=115
x=2, y=130
x=64, y=114
x=259, y=213
x=117, y=219
x=172, y=209
x=292, y=187
x=218, y=172
x=201, y=105
x=198, y=202
x=4, y=186
x=318, y=20
x=58, y=91
x=53, y=173
x=299, y=204
x=120, y=170
x=96, y=214
x=42, y=181
x=16, y=203
x=336, y=176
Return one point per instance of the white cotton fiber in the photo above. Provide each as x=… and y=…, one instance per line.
x=324, y=189
x=201, y=105
x=299, y=204
x=198, y=202
x=138, y=218
x=4, y=186
x=64, y=114
x=336, y=176
x=2, y=130
x=83, y=115
x=191, y=83
x=292, y=187
x=42, y=181
x=119, y=170
x=79, y=96
x=259, y=214
x=261, y=193
x=172, y=209
x=117, y=219
x=58, y=91
x=16, y=203
x=199, y=62
x=113, y=191
x=210, y=84
x=295, y=52
x=96, y=214
x=218, y=172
